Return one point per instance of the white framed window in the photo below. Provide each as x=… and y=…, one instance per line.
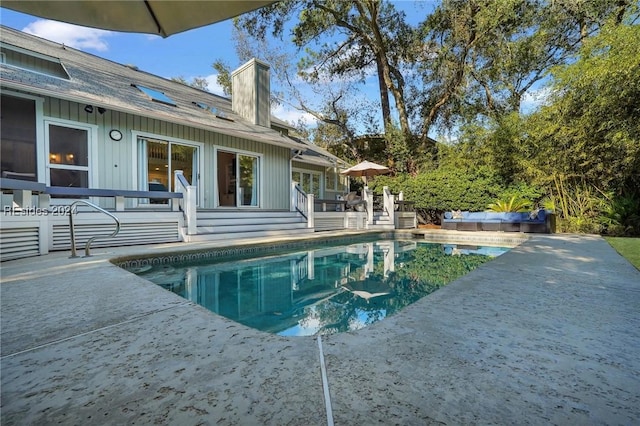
x=70, y=148
x=309, y=181
x=22, y=137
x=239, y=178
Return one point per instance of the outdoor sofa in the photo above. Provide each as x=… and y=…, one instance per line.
x=539, y=221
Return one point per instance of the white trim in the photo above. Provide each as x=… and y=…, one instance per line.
x=41, y=153
x=321, y=178
x=235, y=151
x=92, y=147
x=135, y=135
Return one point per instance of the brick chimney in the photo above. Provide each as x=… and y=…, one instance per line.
x=251, y=91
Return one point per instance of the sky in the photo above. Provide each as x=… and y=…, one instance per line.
x=189, y=54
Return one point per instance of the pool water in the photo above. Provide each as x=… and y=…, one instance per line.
x=325, y=290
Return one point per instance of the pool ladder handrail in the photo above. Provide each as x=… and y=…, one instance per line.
x=73, y=231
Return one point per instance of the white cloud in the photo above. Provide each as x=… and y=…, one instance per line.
x=75, y=36
x=292, y=115
x=214, y=87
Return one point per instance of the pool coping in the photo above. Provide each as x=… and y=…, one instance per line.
x=133, y=261
x=545, y=333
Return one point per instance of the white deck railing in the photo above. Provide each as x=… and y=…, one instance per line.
x=188, y=202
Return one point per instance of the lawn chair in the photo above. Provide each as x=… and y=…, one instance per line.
x=354, y=201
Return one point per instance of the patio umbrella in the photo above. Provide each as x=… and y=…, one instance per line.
x=161, y=17
x=366, y=169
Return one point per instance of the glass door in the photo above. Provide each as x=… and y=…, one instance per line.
x=238, y=179
x=160, y=159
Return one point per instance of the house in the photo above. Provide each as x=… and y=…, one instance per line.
x=175, y=163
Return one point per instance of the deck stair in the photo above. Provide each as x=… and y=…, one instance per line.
x=215, y=225
x=381, y=221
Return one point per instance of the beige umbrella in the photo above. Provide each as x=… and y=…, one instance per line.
x=161, y=17
x=366, y=169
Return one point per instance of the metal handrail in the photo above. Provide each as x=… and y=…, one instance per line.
x=73, y=231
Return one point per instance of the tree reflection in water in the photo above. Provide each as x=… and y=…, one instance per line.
x=323, y=291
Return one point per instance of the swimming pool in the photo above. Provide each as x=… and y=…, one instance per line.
x=321, y=290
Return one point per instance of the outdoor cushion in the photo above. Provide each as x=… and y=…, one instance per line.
x=512, y=217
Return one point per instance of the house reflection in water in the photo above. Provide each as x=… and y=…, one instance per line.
x=319, y=291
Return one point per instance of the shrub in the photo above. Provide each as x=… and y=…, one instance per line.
x=514, y=204
x=621, y=217
x=445, y=188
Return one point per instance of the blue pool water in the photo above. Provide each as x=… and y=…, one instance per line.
x=325, y=290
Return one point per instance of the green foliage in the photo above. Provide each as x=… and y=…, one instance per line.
x=590, y=129
x=197, y=82
x=430, y=270
x=621, y=216
x=398, y=150
x=514, y=204
x=445, y=188
x=578, y=208
x=468, y=67
x=524, y=191
x=224, y=76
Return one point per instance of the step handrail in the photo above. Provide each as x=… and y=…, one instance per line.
x=73, y=231
x=301, y=201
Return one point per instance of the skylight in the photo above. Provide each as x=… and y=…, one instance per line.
x=213, y=110
x=155, y=95
x=32, y=61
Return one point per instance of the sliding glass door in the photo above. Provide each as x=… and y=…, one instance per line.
x=160, y=159
x=238, y=179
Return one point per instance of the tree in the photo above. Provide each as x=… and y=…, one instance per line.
x=197, y=82
x=364, y=34
x=590, y=130
x=224, y=76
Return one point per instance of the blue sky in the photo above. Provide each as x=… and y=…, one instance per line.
x=188, y=54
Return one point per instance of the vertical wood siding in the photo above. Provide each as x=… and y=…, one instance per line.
x=116, y=165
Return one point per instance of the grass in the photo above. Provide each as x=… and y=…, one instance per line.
x=627, y=247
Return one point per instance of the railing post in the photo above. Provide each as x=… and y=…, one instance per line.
x=44, y=200
x=188, y=201
x=119, y=203
x=368, y=196
x=23, y=198
x=310, y=211
x=294, y=197
x=389, y=204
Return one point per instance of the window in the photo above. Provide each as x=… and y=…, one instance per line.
x=238, y=179
x=155, y=95
x=308, y=181
x=68, y=156
x=331, y=181
x=18, y=152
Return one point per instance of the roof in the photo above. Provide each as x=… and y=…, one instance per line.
x=313, y=154
x=107, y=84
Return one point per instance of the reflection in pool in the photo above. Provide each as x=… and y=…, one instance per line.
x=322, y=291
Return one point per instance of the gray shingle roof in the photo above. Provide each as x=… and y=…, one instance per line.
x=108, y=84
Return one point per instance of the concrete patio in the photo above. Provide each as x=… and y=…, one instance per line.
x=548, y=333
